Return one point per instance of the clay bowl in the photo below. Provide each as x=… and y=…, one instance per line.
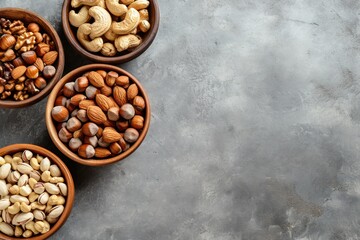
x=52, y=128
x=12, y=149
x=28, y=17
x=148, y=37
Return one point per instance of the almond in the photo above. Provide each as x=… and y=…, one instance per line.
x=84, y=104
x=102, y=152
x=103, y=102
x=96, y=79
x=132, y=91
x=76, y=99
x=18, y=72
x=50, y=57
x=39, y=64
x=110, y=135
x=96, y=115
x=120, y=95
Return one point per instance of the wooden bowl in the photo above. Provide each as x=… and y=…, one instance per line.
x=12, y=149
x=52, y=129
x=70, y=33
x=27, y=17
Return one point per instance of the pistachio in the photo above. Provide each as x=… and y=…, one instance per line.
x=18, y=198
x=6, y=229
x=34, y=164
x=22, y=218
x=51, y=188
x=51, y=220
x=55, y=171
x=43, y=198
x=63, y=188
x=8, y=158
x=18, y=231
x=25, y=208
x=35, y=175
x=13, y=177
x=39, y=188
x=6, y=216
x=26, y=155
x=25, y=190
x=56, y=211
x=23, y=180
x=24, y=168
x=4, y=203
x=3, y=188
x=5, y=170
x=14, y=209
x=45, y=164
x=45, y=176
x=39, y=215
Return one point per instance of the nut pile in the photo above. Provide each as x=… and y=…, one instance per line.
x=26, y=59
x=32, y=194
x=100, y=114
x=108, y=26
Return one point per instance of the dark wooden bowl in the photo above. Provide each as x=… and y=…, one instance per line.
x=52, y=129
x=27, y=17
x=68, y=179
x=70, y=33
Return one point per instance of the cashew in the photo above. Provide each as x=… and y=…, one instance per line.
x=139, y=4
x=123, y=43
x=144, y=26
x=127, y=2
x=78, y=3
x=110, y=35
x=76, y=19
x=102, y=21
x=108, y=50
x=92, y=46
x=116, y=8
x=144, y=14
x=102, y=4
x=130, y=22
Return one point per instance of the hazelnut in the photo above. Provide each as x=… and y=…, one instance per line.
x=102, y=73
x=49, y=71
x=78, y=134
x=122, y=125
x=73, y=124
x=40, y=83
x=7, y=41
x=111, y=78
x=18, y=62
x=101, y=143
x=38, y=36
x=82, y=115
x=137, y=122
x=113, y=114
x=64, y=135
x=32, y=72
x=127, y=111
x=86, y=151
x=91, y=92
x=69, y=106
x=131, y=135
x=76, y=99
x=60, y=101
x=106, y=90
x=74, y=113
x=33, y=27
x=115, y=148
x=81, y=84
x=60, y=114
x=74, y=144
x=93, y=141
x=29, y=57
x=69, y=90
x=90, y=129
x=139, y=103
x=122, y=81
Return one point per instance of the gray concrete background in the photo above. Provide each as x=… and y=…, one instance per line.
x=254, y=131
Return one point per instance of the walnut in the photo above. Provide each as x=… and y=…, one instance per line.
x=25, y=42
x=4, y=26
x=17, y=28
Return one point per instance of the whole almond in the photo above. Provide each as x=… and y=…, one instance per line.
x=96, y=79
x=84, y=104
x=39, y=64
x=50, y=57
x=18, y=72
x=96, y=115
x=120, y=95
x=110, y=135
x=132, y=91
x=102, y=152
x=103, y=102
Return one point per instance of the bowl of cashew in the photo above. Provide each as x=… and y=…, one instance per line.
x=110, y=31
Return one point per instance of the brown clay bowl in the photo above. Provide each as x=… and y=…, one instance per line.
x=66, y=174
x=52, y=128
x=27, y=17
x=148, y=37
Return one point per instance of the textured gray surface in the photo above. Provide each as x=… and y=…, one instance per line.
x=254, y=132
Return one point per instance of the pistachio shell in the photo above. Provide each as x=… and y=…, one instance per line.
x=45, y=164
x=56, y=211
x=5, y=170
x=6, y=229
x=4, y=203
x=22, y=218
x=24, y=168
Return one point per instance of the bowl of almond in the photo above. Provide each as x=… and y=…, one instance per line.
x=98, y=114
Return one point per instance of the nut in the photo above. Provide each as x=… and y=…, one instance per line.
x=29, y=57
x=115, y=148
x=96, y=115
x=64, y=135
x=127, y=111
x=86, y=151
x=42, y=49
x=18, y=72
x=60, y=114
x=33, y=27
x=76, y=99
x=49, y=71
x=50, y=57
x=137, y=122
x=132, y=91
x=81, y=114
x=68, y=89
x=122, y=81
x=74, y=144
x=91, y=92
x=113, y=113
x=32, y=72
x=84, y=104
x=131, y=135
x=90, y=129
x=110, y=135
x=102, y=152
x=81, y=84
x=40, y=83
x=7, y=41
x=139, y=103
x=96, y=79
x=73, y=124
x=104, y=102
x=120, y=95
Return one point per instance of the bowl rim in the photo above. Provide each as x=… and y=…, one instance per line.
x=11, y=149
x=70, y=36
x=52, y=129
x=60, y=66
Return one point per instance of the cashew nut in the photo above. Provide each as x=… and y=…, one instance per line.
x=123, y=43
x=82, y=34
x=130, y=22
x=108, y=50
x=127, y=2
x=102, y=21
x=102, y=4
x=78, y=3
x=139, y=4
x=76, y=19
x=116, y=8
x=144, y=14
x=144, y=26
x=110, y=35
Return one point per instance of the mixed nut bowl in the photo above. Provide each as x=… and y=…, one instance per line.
x=96, y=115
